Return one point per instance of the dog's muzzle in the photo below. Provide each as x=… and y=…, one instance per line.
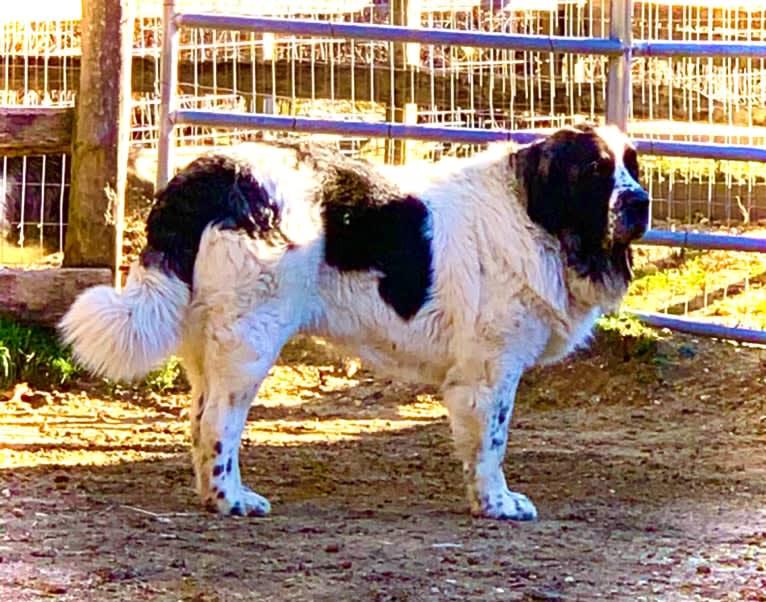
x=632, y=210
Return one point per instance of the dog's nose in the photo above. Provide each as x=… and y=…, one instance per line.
x=633, y=211
x=634, y=199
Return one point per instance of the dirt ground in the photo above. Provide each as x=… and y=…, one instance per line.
x=649, y=474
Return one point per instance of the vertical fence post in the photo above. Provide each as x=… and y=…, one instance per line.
x=101, y=136
x=618, y=89
x=399, y=14
x=168, y=93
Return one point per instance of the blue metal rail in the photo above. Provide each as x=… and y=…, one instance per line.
x=395, y=33
x=692, y=240
x=475, y=39
x=233, y=119
x=665, y=48
x=704, y=329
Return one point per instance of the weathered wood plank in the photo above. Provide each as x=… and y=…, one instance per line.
x=101, y=138
x=35, y=130
x=43, y=296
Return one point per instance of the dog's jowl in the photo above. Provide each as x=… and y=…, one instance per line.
x=461, y=274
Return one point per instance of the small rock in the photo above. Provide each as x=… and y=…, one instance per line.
x=541, y=594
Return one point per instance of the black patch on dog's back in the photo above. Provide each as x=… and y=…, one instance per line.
x=369, y=226
x=212, y=189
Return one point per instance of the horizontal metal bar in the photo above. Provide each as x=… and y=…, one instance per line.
x=698, y=150
x=350, y=128
x=479, y=39
x=691, y=240
x=445, y=134
x=703, y=240
x=705, y=329
x=395, y=33
x=668, y=48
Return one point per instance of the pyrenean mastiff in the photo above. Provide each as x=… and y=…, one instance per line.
x=461, y=274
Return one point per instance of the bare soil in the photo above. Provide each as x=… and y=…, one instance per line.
x=649, y=472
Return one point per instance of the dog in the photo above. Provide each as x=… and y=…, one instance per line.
x=460, y=274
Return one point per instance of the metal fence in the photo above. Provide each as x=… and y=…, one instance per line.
x=36, y=69
x=615, y=46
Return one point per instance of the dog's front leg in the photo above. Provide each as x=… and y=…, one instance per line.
x=479, y=417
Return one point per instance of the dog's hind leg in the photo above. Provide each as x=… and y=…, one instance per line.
x=479, y=416
x=237, y=358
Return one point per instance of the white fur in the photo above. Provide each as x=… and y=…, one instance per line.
x=125, y=335
x=502, y=301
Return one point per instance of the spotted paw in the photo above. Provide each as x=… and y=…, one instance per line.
x=245, y=502
x=506, y=505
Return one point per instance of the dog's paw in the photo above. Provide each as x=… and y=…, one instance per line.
x=244, y=502
x=505, y=505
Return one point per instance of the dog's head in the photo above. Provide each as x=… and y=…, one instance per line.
x=581, y=185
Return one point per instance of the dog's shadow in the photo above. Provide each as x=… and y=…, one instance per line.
x=315, y=379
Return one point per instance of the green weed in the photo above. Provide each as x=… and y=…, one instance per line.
x=33, y=354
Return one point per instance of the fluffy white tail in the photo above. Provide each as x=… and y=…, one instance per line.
x=124, y=335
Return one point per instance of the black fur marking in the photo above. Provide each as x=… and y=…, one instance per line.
x=369, y=227
x=218, y=447
x=236, y=510
x=498, y=441
x=212, y=189
x=502, y=413
x=221, y=495
x=218, y=470
x=499, y=433
x=568, y=179
x=228, y=466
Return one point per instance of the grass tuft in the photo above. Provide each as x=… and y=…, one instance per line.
x=633, y=338
x=33, y=354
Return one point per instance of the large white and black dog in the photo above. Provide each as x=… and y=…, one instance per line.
x=460, y=274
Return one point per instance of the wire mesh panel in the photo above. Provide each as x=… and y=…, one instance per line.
x=709, y=99
x=378, y=80
x=38, y=67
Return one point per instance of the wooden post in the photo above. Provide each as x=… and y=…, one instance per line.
x=399, y=15
x=35, y=131
x=101, y=135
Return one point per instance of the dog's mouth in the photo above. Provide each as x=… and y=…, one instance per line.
x=632, y=216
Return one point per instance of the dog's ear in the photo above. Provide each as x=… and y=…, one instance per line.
x=537, y=172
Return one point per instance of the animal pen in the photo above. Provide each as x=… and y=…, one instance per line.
x=389, y=81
